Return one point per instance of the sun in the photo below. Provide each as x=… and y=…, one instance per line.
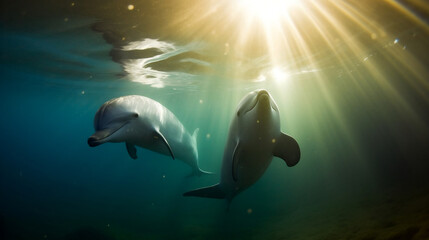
x=267, y=11
x=278, y=74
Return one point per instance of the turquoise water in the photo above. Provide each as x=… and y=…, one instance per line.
x=360, y=118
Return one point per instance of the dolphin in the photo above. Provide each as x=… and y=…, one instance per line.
x=254, y=138
x=141, y=121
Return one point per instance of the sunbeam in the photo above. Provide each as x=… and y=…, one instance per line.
x=243, y=89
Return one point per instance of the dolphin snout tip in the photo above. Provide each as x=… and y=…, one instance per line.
x=262, y=92
x=93, y=141
x=263, y=95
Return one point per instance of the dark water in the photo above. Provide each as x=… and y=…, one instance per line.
x=351, y=83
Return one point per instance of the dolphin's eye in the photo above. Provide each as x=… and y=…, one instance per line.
x=238, y=113
x=136, y=115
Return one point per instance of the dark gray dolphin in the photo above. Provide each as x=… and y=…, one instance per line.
x=254, y=138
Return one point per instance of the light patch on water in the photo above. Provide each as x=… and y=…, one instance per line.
x=149, y=43
x=281, y=74
x=130, y=7
x=139, y=70
x=260, y=78
x=138, y=73
x=193, y=60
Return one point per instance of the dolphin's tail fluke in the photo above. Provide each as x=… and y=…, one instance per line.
x=207, y=192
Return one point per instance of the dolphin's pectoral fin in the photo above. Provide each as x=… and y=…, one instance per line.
x=235, y=159
x=287, y=149
x=159, y=135
x=132, y=151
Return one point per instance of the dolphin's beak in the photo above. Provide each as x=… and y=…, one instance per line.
x=264, y=99
x=263, y=93
x=262, y=96
x=99, y=137
x=93, y=141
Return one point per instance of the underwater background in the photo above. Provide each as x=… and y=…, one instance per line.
x=350, y=78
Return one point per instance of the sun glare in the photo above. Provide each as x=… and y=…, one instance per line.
x=267, y=10
x=278, y=74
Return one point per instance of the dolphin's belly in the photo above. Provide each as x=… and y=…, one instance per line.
x=252, y=164
x=181, y=147
x=251, y=167
x=158, y=147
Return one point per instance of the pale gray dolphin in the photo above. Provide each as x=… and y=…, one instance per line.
x=254, y=138
x=141, y=121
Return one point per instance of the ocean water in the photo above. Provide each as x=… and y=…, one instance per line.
x=352, y=89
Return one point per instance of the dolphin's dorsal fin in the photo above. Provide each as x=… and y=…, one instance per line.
x=235, y=159
x=287, y=149
x=158, y=134
x=132, y=151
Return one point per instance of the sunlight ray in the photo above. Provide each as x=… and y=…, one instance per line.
x=411, y=15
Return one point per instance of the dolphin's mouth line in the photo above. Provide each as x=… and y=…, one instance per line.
x=96, y=142
x=116, y=130
x=253, y=106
